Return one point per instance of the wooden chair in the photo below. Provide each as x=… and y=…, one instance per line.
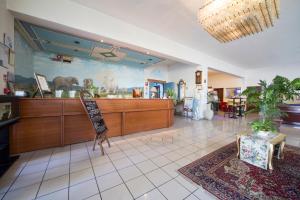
x=91, y=108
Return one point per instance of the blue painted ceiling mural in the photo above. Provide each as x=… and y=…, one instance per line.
x=66, y=44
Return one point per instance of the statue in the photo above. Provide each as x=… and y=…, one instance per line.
x=64, y=83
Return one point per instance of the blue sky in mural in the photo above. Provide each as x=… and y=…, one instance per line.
x=103, y=74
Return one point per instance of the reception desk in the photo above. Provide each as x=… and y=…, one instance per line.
x=48, y=123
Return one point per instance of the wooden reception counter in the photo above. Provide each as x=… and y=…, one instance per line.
x=53, y=122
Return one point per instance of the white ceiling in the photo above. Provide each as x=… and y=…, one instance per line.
x=177, y=20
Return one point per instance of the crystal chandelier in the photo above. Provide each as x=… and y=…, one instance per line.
x=228, y=20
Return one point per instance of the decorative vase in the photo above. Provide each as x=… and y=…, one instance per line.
x=209, y=114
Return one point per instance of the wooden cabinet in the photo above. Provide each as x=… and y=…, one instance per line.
x=56, y=122
x=35, y=133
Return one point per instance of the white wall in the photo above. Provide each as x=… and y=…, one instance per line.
x=268, y=73
x=223, y=80
x=187, y=73
x=7, y=27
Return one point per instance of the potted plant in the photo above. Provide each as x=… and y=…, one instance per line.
x=172, y=95
x=266, y=101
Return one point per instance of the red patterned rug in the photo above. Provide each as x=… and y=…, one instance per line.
x=227, y=177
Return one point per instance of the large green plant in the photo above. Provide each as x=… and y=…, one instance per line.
x=266, y=101
x=171, y=94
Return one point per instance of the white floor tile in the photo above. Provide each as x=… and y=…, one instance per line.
x=125, y=146
x=161, y=161
x=109, y=180
x=146, y=166
x=56, y=172
x=94, y=197
x=139, y=186
x=173, y=190
x=203, y=194
x=60, y=155
x=58, y=162
x=59, y=195
x=112, y=149
x=129, y=173
x=25, y=193
x=151, y=154
x=137, y=158
x=122, y=163
x=131, y=152
x=183, y=162
x=192, y=187
x=83, y=190
x=104, y=169
x=53, y=185
x=152, y=195
x=100, y=160
x=29, y=169
x=117, y=155
x=171, y=169
x=81, y=176
x=27, y=180
x=80, y=165
x=163, y=150
x=119, y=192
x=158, y=177
x=191, y=197
x=173, y=156
x=143, y=148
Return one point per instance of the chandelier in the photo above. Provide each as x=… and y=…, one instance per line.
x=228, y=20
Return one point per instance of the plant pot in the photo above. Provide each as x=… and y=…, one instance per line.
x=58, y=93
x=265, y=133
x=72, y=93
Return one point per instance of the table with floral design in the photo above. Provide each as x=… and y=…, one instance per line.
x=259, y=150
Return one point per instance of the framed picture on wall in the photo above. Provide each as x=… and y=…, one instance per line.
x=198, y=77
x=11, y=57
x=7, y=41
x=4, y=54
x=42, y=84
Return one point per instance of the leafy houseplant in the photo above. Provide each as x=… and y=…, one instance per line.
x=172, y=95
x=267, y=100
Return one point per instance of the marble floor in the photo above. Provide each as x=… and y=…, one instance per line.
x=139, y=166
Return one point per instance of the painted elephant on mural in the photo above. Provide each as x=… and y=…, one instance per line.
x=64, y=83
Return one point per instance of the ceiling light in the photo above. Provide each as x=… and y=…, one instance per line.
x=147, y=52
x=76, y=42
x=101, y=41
x=228, y=20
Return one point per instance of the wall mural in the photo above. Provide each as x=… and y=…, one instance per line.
x=103, y=78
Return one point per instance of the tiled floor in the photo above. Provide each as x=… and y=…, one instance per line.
x=138, y=166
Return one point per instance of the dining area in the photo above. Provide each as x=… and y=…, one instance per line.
x=235, y=107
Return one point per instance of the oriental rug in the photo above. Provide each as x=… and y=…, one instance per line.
x=226, y=177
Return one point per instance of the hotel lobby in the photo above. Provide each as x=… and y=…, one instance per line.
x=149, y=100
